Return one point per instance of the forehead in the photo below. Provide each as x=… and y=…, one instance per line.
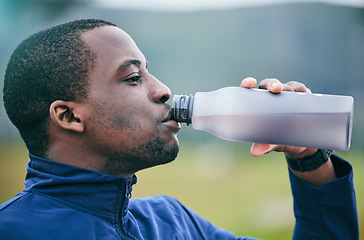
x=110, y=42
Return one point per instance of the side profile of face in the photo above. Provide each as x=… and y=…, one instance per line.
x=127, y=122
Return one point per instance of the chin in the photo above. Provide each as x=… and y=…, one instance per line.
x=168, y=154
x=149, y=154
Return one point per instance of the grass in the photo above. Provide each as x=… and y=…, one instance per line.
x=219, y=180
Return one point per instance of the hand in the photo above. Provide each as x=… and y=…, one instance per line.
x=317, y=177
x=275, y=86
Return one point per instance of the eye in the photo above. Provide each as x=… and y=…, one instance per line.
x=134, y=79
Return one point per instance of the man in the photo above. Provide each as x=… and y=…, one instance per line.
x=92, y=116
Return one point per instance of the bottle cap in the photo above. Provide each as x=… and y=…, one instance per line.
x=181, y=110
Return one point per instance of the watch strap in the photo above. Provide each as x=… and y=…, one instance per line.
x=311, y=162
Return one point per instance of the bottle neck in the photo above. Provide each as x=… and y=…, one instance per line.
x=182, y=106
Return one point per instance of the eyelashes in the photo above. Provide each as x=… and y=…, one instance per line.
x=133, y=79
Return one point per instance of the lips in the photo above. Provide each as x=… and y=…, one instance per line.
x=168, y=116
x=172, y=124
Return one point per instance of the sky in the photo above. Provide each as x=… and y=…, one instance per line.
x=193, y=5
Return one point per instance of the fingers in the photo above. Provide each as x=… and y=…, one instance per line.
x=259, y=149
x=272, y=84
x=275, y=86
x=248, y=82
x=298, y=87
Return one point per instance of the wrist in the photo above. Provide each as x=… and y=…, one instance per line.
x=309, y=162
x=302, y=154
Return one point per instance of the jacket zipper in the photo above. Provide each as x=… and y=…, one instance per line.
x=124, y=205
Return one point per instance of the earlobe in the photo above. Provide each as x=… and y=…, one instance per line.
x=65, y=116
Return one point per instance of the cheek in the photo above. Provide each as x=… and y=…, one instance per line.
x=131, y=119
x=136, y=120
x=132, y=115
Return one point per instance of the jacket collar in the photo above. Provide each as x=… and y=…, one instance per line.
x=91, y=191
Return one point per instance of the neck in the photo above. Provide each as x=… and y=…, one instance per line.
x=79, y=156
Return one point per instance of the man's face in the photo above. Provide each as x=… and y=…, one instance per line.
x=127, y=123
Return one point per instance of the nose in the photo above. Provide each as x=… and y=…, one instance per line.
x=160, y=93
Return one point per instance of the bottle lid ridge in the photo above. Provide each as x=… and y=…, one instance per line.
x=181, y=110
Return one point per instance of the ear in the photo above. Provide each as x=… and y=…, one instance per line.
x=64, y=114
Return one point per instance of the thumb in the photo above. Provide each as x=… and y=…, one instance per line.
x=259, y=149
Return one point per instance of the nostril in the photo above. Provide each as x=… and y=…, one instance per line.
x=164, y=99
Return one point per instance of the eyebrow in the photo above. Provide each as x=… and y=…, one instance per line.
x=128, y=63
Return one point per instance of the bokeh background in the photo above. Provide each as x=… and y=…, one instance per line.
x=201, y=46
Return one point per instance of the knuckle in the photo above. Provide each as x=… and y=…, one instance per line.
x=297, y=86
x=288, y=88
x=267, y=82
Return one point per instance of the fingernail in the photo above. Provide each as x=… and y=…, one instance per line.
x=246, y=79
x=249, y=79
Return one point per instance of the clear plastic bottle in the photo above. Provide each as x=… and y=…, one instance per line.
x=255, y=115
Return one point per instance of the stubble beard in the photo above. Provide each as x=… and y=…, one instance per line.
x=149, y=154
x=126, y=160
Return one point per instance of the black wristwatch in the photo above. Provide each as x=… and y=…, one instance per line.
x=310, y=163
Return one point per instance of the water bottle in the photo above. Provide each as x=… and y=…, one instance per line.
x=256, y=115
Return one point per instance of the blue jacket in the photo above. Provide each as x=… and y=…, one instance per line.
x=65, y=202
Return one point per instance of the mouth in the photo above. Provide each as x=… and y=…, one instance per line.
x=170, y=123
x=167, y=115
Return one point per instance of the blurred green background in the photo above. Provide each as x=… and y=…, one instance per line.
x=320, y=45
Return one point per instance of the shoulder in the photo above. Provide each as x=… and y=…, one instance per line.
x=164, y=216
x=164, y=207
x=171, y=218
x=12, y=206
x=13, y=218
x=167, y=208
x=36, y=216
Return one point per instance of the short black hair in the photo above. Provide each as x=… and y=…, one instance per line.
x=52, y=64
